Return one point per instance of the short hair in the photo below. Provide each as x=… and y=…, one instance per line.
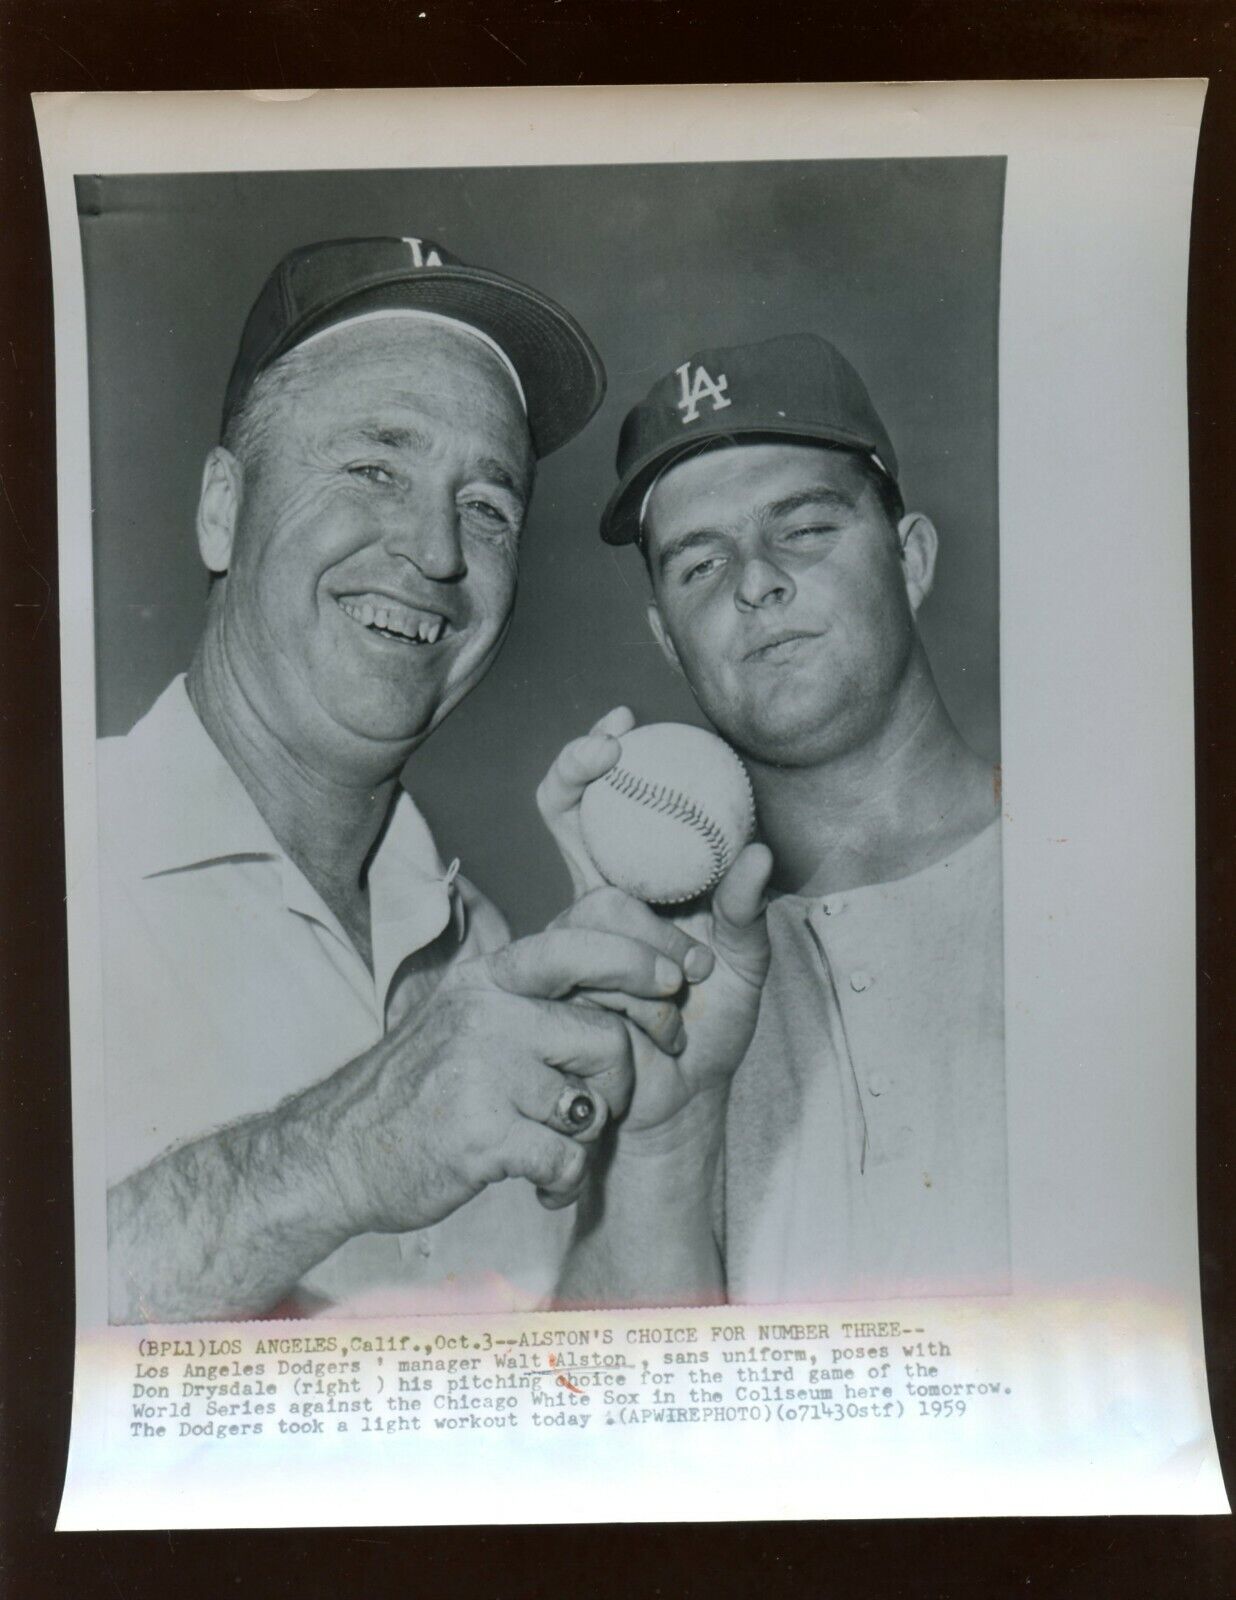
x=246, y=430
x=249, y=425
x=882, y=484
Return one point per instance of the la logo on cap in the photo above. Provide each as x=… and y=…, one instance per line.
x=419, y=258
x=694, y=391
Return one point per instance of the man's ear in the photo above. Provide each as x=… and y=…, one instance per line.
x=919, y=543
x=662, y=637
x=218, y=506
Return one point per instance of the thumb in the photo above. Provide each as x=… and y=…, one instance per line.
x=740, y=931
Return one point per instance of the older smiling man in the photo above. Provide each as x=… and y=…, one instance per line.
x=320, y=1048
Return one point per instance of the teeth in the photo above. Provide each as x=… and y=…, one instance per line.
x=417, y=630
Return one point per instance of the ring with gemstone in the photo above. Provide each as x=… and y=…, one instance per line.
x=576, y=1110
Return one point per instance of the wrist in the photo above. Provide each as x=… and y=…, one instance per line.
x=320, y=1138
x=698, y=1123
x=680, y=1153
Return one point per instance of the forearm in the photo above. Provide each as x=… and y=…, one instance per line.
x=645, y=1233
x=226, y=1226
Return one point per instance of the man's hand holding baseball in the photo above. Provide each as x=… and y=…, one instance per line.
x=645, y=1235
x=723, y=949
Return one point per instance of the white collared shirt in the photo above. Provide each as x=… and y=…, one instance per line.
x=229, y=985
x=866, y=1141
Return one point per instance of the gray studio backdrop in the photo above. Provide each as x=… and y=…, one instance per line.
x=897, y=261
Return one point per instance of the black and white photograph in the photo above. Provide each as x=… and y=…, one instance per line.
x=549, y=776
x=619, y=965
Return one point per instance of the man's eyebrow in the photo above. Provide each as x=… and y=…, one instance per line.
x=817, y=495
x=500, y=473
x=684, y=542
x=388, y=436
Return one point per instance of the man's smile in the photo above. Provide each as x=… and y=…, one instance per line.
x=780, y=645
x=396, y=620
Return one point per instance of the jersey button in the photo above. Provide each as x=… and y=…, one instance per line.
x=860, y=981
x=833, y=908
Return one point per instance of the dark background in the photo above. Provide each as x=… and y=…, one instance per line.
x=897, y=261
x=129, y=44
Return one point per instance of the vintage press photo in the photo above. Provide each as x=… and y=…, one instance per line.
x=862, y=1150
x=549, y=822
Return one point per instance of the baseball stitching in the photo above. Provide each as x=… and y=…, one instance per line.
x=673, y=803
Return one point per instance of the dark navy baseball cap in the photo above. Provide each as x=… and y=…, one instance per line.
x=797, y=386
x=557, y=370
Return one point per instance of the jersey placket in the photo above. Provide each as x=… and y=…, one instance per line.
x=852, y=974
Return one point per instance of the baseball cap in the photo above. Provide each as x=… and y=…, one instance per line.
x=339, y=280
x=796, y=386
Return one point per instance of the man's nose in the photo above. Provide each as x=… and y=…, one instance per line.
x=763, y=583
x=427, y=534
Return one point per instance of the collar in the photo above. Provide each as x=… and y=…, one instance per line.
x=196, y=812
x=194, y=809
x=971, y=850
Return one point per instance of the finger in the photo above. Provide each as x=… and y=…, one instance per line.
x=591, y=1043
x=579, y=763
x=559, y=1100
x=559, y=795
x=551, y=965
x=616, y=722
x=739, y=897
x=610, y=910
x=660, y=1020
x=562, y=789
x=739, y=929
x=550, y=1161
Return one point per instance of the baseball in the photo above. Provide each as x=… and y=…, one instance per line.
x=667, y=821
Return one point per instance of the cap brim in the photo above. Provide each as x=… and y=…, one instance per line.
x=561, y=373
x=620, y=519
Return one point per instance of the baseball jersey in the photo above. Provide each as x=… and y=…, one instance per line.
x=866, y=1143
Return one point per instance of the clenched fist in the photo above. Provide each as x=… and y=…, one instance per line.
x=469, y=1090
